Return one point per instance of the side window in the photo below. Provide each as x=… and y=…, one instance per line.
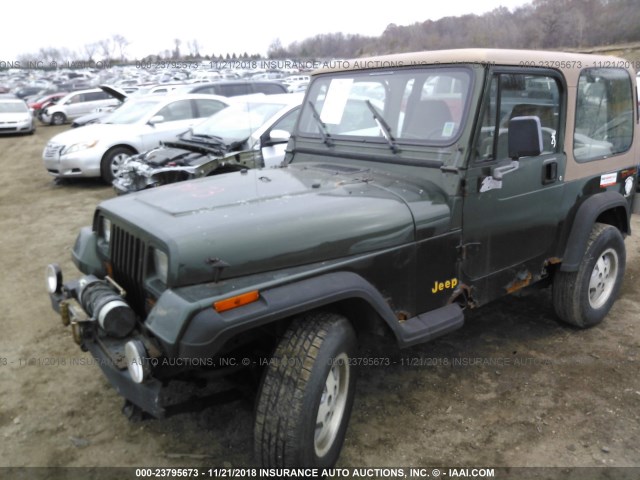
x=519, y=95
x=180, y=110
x=206, y=108
x=604, y=114
x=93, y=96
x=75, y=99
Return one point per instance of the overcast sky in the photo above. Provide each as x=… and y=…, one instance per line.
x=220, y=27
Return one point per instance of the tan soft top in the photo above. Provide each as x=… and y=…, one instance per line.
x=569, y=63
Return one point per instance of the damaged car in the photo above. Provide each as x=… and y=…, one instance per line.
x=98, y=150
x=249, y=134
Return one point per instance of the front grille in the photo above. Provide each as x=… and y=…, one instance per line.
x=52, y=150
x=128, y=255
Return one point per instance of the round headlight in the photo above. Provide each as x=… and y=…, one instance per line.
x=54, y=278
x=137, y=361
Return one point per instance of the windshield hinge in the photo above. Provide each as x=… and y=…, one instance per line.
x=467, y=249
x=218, y=266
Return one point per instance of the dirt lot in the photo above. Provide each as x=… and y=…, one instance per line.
x=513, y=388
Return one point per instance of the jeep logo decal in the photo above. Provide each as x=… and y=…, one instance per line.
x=440, y=286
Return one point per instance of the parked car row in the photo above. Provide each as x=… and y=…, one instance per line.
x=70, y=107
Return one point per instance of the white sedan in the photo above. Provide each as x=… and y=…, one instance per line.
x=98, y=150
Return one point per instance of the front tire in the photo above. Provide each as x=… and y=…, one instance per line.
x=112, y=161
x=583, y=298
x=58, y=118
x=306, y=395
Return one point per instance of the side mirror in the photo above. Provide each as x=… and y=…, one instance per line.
x=525, y=137
x=157, y=119
x=279, y=136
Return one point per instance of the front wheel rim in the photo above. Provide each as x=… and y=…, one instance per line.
x=332, y=404
x=116, y=163
x=603, y=278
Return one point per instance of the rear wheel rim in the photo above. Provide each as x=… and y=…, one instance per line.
x=603, y=278
x=332, y=405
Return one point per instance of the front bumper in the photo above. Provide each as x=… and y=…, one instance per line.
x=144, y=395
x=16, y=127
x=108, y=351
x=85, y=163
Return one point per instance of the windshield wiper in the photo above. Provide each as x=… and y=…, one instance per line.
x=326, y=136
x=384, y=127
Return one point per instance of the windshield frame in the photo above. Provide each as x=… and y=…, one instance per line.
x=397, y=89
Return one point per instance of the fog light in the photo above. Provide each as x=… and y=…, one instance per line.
x=137, y=360
x=54, y=278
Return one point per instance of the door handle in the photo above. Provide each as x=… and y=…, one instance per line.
x=549, y=171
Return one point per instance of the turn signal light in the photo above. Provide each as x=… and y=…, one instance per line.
x=237, y=301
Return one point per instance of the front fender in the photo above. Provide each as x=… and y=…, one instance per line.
x=84, y=254
x=209, y=330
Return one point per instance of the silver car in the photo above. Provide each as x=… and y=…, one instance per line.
x=15, y=116
x=98, y=150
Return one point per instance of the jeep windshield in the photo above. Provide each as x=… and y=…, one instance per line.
x=410, y=106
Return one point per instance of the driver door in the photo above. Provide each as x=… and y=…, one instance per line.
x=509, y=224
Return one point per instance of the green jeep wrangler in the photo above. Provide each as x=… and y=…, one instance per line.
x=415, y=186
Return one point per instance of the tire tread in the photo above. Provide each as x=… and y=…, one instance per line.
x=283, y=389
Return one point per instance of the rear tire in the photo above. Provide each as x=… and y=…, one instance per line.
x=583, y=298
x=306, y=394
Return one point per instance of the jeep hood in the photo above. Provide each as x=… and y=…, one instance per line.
x=269, y=219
